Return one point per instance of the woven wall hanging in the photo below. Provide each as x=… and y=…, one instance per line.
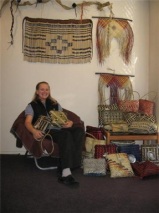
x=57, y=41
x=116, y=83
x=118, y=29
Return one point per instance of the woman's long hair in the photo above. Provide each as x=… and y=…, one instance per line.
x=36, y=96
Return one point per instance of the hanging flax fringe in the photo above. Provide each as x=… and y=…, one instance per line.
x=108, y=29
x=116, y=84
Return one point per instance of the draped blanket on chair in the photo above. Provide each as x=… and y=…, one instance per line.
x=57, y=41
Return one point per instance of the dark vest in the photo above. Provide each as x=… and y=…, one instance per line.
x=40, y=109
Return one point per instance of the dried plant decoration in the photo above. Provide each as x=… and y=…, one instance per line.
x=11, y=30
x=19, y=3
x=99, y=5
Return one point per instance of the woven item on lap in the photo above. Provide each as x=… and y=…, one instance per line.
x=58, y=118
x=119, y=165
x=43, y=124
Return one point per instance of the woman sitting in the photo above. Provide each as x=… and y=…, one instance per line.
x=69, y=138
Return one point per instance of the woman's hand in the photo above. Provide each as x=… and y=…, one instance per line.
x=37, y=134
x=68, y=124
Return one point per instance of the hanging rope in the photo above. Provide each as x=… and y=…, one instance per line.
x=11, y=30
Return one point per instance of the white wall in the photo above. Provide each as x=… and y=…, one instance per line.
x=1, y=84
x=74, y=86
x=154, y=50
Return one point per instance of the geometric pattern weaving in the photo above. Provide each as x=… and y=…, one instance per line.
x=57, y=41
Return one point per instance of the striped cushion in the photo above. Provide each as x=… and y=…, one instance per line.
x=119, y=165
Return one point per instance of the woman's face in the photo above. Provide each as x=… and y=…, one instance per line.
x=43, y=91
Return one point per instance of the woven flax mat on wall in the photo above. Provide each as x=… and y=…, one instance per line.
x=121, y=31
x=57, y=41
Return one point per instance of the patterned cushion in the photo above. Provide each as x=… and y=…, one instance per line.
x=150, y=118
x=119, y=165
x=101, y=150
x=94, y=167
x=145, y=169
x=131, y=116
x=133, y=149
x=122, y=127
x=143, y=127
